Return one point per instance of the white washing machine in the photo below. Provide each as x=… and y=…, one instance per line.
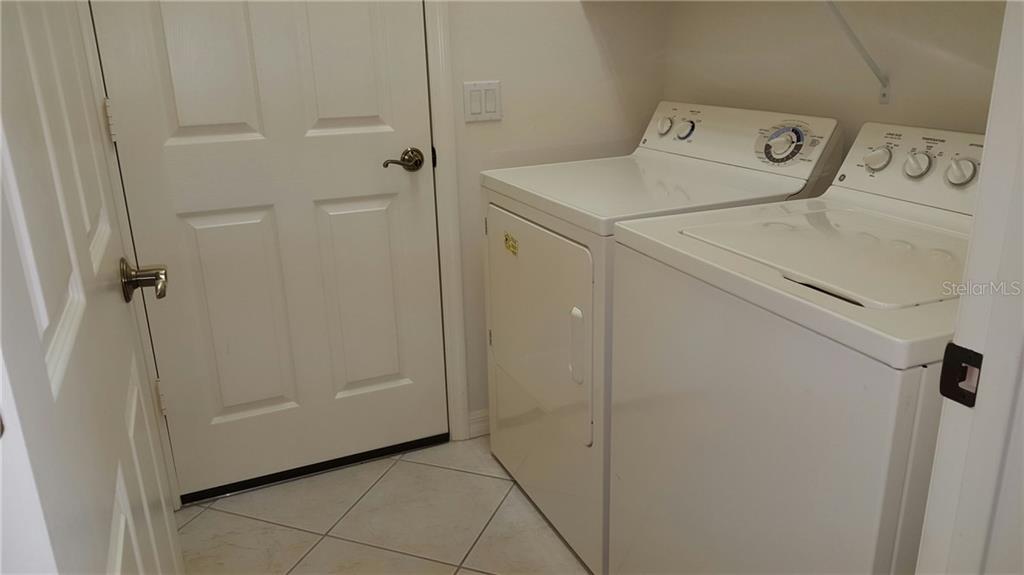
x=549, y=237
x=775, y=390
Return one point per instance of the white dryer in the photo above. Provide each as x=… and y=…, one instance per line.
x=549, y=237
x=775, y=368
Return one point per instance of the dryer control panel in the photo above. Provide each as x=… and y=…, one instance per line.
x=785, y=144
x=935, y=168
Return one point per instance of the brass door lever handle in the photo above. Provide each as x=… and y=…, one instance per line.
x=411, y=159
x=133, y=279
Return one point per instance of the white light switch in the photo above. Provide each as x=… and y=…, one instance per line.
x=481, y=101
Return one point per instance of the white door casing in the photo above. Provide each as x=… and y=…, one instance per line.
x=82, y=413
x=974, y=521
x=304, y=322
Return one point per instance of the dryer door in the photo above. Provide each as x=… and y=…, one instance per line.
x=541, y=291
x=541, y=305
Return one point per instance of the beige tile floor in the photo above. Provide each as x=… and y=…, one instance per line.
x=441, y=510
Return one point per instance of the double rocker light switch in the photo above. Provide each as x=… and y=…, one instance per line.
x=481, y=101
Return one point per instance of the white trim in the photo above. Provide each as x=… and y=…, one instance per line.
x=973, y=457
x=479, y=423
x=446, y=194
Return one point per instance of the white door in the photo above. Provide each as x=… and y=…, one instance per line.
x=84, y=488
x=975, y=516
x=305, y=323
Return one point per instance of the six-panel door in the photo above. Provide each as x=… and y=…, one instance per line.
x=304, y=318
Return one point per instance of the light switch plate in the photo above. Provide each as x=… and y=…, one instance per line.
x=481, y=101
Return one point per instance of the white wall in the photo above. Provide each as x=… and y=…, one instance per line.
x=791, y=56
x=579, y=80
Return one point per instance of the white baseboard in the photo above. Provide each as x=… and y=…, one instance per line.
x=479, y=424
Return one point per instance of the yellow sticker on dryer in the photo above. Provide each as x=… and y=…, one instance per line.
x=511, y=244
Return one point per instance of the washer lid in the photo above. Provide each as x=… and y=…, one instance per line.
x=594, y=194
x=742, y=258
x=868, y=258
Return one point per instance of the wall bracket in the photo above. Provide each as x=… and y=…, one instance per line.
x=883, y=79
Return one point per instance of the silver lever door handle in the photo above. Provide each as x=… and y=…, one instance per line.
x=133, y=279
x=411, y=159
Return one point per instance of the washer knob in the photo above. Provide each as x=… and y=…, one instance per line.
x=877, y=159
x=782, y=144
x=917, y=164
x=961, y=171
x=664, y=125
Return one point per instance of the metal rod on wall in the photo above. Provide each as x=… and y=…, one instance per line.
x=883, y=79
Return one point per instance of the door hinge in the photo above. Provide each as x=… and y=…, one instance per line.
x=490, y=338
x=485, y=226
x=160, y=404
x=433, y=156
x=108, y=106
x=960, y=375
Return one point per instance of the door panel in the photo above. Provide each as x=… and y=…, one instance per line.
x=358, y=279
x=69, y=342
x=304, y=322
x=242, y=288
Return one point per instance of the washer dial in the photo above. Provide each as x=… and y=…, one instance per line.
x=917, y=164
x=782, y=144
x=878, y=158
x=961, y=171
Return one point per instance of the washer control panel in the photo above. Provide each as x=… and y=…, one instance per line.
x=768, y=141
x=931, y=167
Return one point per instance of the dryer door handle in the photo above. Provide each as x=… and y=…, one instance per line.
x=578, y=365
x=577, y=349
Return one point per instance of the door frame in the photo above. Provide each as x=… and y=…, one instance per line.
x=973, y=444
x=442, y=110
x=440, y=80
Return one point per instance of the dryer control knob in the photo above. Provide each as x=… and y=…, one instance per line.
x=686, y=128
x=664, y=125
x=877, y=159
x=917, y=164
x=961, y=171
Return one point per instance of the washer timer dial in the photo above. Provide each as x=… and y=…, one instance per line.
x=783, y=144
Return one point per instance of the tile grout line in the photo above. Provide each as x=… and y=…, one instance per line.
x=486, y=525
x=469, y=570
x=556, y=532
x=335, y=524
x=267, y=521
x=368, y=489
x=456, y=469
x=390, y=550
x=203, y=510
